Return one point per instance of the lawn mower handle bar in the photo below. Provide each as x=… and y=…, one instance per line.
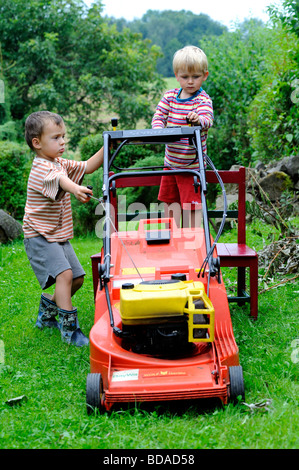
x=146, y=136
x=153, y=136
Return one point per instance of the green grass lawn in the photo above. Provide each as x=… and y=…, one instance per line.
x=52, y=375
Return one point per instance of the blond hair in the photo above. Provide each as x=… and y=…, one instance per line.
x=190, y=58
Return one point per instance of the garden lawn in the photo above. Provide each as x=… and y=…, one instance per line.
x=51, y=377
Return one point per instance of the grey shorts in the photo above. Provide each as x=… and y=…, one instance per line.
x=49, y=259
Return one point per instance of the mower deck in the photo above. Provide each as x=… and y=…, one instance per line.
x=201, y=371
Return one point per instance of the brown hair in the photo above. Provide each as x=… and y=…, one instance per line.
x=35, y=123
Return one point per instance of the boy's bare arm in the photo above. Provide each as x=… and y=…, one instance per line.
x=80, y=192
x=94, y=162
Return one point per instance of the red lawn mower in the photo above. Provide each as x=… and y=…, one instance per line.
x=162, y=328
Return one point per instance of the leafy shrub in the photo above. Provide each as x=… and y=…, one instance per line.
x=89, y=145
x=144, y=195
x=236, y=62
x=8, y=131
x=251, y=85
x=14, y=171
x=273, y=115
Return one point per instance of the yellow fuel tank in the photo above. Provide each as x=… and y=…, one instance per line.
x=154, y=301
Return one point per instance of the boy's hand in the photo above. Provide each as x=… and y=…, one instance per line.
x=81, y=193
x=193, y=118
x=86, y=191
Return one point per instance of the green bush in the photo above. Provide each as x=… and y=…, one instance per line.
x=273, y=116
x=8, y=131
x=254, y=88
x=89, y=145
x=15, y=163
x=236, y=62
x=143, y=194
x=84, y=217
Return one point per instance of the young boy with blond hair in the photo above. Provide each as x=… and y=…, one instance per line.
x=190, y=102
x=48, y=224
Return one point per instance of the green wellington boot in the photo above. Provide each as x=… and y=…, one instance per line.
x=47, y=312
x=69, y=328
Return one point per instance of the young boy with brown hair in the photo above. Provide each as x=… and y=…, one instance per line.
x=48, y=224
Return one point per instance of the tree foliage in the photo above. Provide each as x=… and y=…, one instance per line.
x=62, y=56
x=14, y=171
x=288, y=15
x=236, y=60
x=172, y=30
x=252, y=77
x=274, y=111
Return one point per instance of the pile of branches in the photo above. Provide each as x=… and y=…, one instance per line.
x=280, y=259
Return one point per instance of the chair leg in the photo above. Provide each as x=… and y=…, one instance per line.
x=254, y=288
x=241, y=283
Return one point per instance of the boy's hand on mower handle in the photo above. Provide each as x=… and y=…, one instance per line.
x=83, y=193
x=193, y=118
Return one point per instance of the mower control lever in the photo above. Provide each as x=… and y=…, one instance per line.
x=88, y=195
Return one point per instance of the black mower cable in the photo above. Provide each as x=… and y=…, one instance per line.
x=210, y=253
x=101, y=201
x=117, y=234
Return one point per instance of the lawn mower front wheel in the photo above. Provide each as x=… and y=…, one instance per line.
x=236, y=389
x=94, y=393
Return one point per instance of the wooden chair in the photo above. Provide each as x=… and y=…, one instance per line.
x=238, y=254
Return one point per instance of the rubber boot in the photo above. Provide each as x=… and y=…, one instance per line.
x=69, y=328
x=47, y=313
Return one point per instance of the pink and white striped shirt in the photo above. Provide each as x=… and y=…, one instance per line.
x=48, y=209
x=172, y=111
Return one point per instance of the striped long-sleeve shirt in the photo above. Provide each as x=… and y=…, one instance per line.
x=172, y=111
x=48, y=208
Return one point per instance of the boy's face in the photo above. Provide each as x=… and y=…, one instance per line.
x=51, y=143
x=190, y=81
